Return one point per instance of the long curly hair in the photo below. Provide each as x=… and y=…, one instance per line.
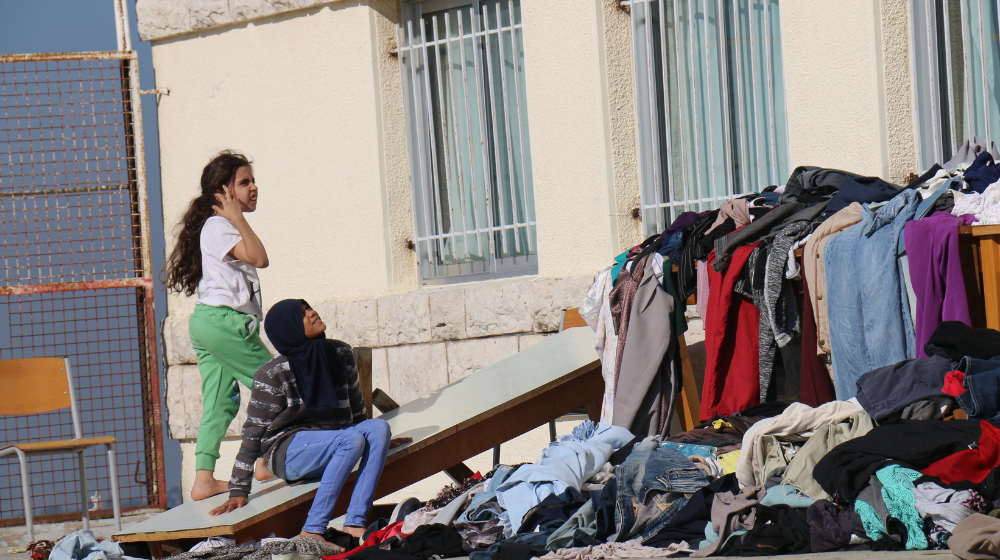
x=183, y=267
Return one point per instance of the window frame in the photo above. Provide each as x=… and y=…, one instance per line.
x=421, y=92
x=937, y=90
x=761, y=136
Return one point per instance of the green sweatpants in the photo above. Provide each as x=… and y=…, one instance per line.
x=227, y=352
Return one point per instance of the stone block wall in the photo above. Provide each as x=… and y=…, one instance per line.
x=421, y=340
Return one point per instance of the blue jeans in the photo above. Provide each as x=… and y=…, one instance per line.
x=329, y=456
x=981, y=401
x=868, y=308
x=650, y=483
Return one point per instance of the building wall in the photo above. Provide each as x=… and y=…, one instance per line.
x=311, y=91
x=314, y=96
x=847, y=86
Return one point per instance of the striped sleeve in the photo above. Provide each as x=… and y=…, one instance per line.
x=359, y=412
x=267, y=400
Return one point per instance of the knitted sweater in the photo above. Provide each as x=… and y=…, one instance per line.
x=276, y=412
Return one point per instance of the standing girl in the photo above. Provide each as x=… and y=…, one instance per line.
x=218, y=254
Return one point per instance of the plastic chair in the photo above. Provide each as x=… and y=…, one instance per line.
x=37, y=385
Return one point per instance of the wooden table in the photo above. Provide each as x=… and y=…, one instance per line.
x=979, y=247
x=541, y=383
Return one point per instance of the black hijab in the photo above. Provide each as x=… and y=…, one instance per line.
x=313, y=361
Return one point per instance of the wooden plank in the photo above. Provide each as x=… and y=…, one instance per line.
x=989, y=251
x=688, y=401
x=972, y=274
x=449, y=425
x=978, y=231
x=363, y=358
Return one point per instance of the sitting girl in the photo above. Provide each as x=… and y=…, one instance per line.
x=307, y=419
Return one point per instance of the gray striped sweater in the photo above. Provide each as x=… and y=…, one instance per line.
x=276, y=412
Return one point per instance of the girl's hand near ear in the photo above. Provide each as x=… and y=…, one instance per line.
x=249, y=249
x=228, y=206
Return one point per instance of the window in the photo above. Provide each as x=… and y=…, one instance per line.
x=710, y=104
x=467, y=138
x=955, y=64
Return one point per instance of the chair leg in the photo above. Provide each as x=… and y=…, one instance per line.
x=552, y=431
x=26, y=493
x=496, y=456
x=83, y=489
x=116, y=503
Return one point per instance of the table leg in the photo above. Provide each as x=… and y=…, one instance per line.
x=688, y=401
x=989, y=252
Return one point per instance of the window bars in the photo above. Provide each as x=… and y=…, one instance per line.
x=467, y=139
x=955, y=64
x=710, y=104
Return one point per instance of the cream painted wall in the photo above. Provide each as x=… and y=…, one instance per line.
x=847, y=85
x=614, y=53
x=568, y=145
x=299, y=93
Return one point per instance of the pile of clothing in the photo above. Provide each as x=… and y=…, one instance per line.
x=803, y=288
x=776, y=478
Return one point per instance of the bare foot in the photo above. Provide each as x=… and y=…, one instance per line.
x=316, y=536
x=354, y=531
x=207, y=489
x=260, y=471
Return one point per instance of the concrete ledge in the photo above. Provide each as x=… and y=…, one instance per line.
x=160, y=19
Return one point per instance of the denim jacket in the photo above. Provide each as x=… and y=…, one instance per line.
x=868, y=308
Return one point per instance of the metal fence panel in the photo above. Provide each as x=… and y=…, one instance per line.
x=75, y=274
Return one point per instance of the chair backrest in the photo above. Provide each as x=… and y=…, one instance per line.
x=571, y=318
x=36, y=385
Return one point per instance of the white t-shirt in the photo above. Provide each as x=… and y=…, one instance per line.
x=226, y=280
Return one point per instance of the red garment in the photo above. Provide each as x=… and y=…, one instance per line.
x=816, y=387
x=378, y=536
x=972, y=465
x=953, y=383
x=732, y=324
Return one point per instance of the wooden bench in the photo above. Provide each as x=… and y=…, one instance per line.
x=502, y=401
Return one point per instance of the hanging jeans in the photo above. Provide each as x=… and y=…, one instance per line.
x=869, y=311
x=329, y=456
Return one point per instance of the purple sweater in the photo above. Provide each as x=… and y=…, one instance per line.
x=936, y=273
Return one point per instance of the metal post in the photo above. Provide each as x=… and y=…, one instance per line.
x=496, y=142
x=458, y=152
x=753, y=91
x=709, y=108
x=116, y=500
x=653, y=133
x=982, y=61
x=949, y=80
x=669, y=182
x=768, y=51
x=415, y=98
x=694, y=98
x=29, y=518
x=935, y=112
x=83, y=488
x=447, y=163
x=432, y=141
x=680, y=105
x=510, y=152
x=721, y=35
x=480, y=109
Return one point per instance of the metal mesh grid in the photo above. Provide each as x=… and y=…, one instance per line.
x=66, y=207
x=102, y=334
x=72, y=280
